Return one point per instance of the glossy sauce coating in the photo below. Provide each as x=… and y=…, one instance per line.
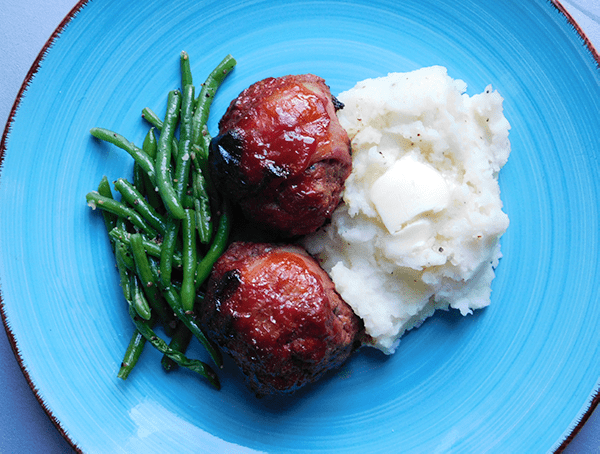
x=276, y=312
x=272, y=140
x=284, y=124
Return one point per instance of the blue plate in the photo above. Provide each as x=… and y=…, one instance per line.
x=515, y=377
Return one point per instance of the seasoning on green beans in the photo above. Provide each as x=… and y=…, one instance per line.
x=183, y=162
x=136, y=153
x=162, y=165
x=167, y=251
x=131, y=195
x=132, y=354
x=95, y=200
x=188, y=289
x=204, y=222
x=186, y=70
x=207, y=94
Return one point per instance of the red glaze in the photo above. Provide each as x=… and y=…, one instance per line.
x=284, y=129
x=280, y=317
x=285, y=122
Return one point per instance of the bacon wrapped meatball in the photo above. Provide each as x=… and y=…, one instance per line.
x=282, y=154
x=276, y=312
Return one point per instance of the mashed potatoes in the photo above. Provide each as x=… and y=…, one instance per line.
x=420, y=225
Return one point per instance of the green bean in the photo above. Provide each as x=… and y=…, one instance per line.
x=188, y=201
x=163, y=157
x=174, y=149
x=136, y=344
x=173, y=299
x=187, y=112
x=217, y=246
x=149, y=146
x=182, y=171
x=193, y=364
x=136, y=153
x=186, y=71
x=149, y=284
x=200, y=162
x=183, y=161
x=150, y=246
x=179, y=342
x=150, y=116
x=95, y=200
x=123, y=265
x=167, y=252
x=204, y=222
x=138, y=177
x=207, y=93
x=132, y=196
x=110, y=219
x=188, y=289
x=205, y=143
x=140, y=303
x=121, y=223
x=132, y=354
x=123, y=256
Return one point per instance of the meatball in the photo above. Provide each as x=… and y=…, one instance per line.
x=282, y=155
x=276, y=313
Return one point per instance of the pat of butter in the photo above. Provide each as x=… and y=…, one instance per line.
x=413, y=236
x=406, y=190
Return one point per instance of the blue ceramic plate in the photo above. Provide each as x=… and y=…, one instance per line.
x=515, y=377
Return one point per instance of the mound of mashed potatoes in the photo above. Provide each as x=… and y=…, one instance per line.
x=421, y=218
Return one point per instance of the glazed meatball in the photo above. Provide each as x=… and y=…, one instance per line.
x=282, y=155
x=276, y=313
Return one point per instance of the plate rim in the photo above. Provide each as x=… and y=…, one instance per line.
x=594, y=398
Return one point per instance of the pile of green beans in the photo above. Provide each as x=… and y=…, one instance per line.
x=169, y=226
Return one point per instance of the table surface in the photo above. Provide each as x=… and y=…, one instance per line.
x=26, y=25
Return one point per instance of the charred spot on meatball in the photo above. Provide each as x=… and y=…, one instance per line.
x=226, y=153
x=275, y=311
x=271, y=139
x=337, y=104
